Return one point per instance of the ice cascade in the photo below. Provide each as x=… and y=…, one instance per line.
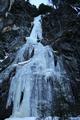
x=35, y=67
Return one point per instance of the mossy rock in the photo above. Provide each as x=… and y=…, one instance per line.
x=2, y=39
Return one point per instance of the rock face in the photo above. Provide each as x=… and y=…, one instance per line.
x=4, y=5
x=60, y=30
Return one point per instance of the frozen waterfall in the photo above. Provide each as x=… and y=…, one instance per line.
x=35, y=68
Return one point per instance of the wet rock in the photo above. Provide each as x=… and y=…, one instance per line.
x=1, y=24
x=43, y=9
x=28, y=53
x=61, y=31
x=26, y=7
x=6, y=62
x=9, y=20
x=72, y=2
x=4, y=5
x=4, y=89
x=58, y=21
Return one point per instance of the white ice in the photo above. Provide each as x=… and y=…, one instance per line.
x=31, y=75
x=48, y=118
x=36, y=33
x=32, y=118
x=25, y=118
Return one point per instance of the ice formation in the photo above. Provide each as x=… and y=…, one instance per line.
x=48, y=118
x=30, y=87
